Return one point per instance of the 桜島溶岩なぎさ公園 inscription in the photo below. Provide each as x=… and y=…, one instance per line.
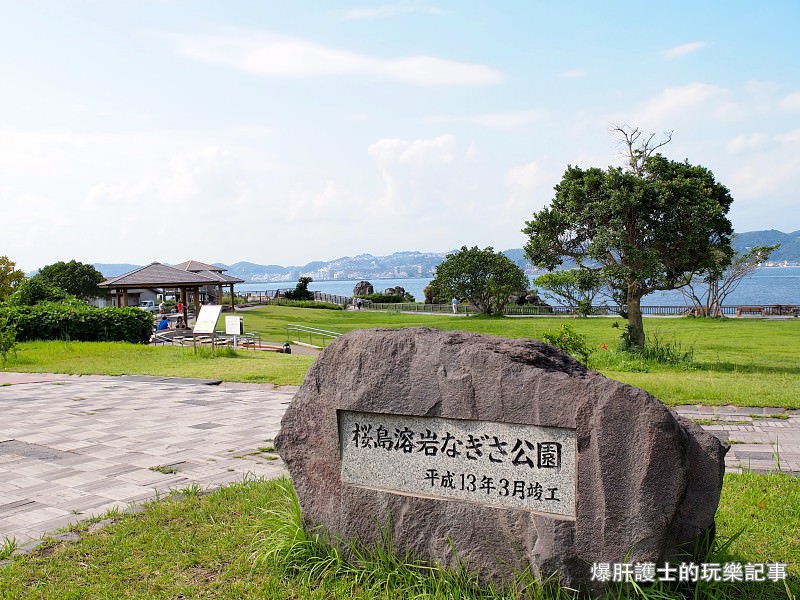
x=502, y=464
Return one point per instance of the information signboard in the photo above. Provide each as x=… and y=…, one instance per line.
x=207, y=319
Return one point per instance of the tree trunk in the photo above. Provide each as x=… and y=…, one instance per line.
x=635, y=325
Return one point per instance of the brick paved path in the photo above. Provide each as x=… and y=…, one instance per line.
x=72, y=447
x=80, y=446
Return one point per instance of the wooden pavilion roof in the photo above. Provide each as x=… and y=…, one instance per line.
x=160, y=275
x=222, y=278
x=196, y=266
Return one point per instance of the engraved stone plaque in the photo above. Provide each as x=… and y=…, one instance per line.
x=499, y=464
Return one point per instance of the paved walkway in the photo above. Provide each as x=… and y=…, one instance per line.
x=72, y=447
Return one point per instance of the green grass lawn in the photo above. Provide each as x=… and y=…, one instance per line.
x=242, y=541
x=120, y=358
x=747, y=362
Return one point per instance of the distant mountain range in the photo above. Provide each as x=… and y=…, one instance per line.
x=422, y=264
x=789, y=252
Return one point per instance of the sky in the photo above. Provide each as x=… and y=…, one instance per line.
x=281, y=132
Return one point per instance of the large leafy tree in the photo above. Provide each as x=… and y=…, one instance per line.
x=75, y=278
x=649, y=226
x=10, y=277
x=485, y=278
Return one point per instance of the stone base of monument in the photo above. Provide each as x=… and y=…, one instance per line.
x=504, y=455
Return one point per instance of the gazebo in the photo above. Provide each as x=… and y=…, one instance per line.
x=157, y=275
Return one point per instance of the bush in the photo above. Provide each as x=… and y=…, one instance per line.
x=570, y=341
x=658, y=351
x=34, y=290
x=307, y=304
x=78, y=321
x=226, y=300
x=301, y=291
x=387, y=298
x=8, y=338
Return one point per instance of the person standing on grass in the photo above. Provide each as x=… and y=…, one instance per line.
x=454, y=302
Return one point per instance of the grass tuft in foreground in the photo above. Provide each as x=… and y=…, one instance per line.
x=246, y=541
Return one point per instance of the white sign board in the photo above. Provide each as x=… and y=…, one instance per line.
x=207, y=319
x=233, y=325
x=500, y=464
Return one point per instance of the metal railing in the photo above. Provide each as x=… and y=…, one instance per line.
x=333, y=298
x=600, y=310
x=306, y=335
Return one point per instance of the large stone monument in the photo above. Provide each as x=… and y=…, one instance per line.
x=507, y=452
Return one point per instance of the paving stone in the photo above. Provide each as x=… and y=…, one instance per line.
x=96, y=439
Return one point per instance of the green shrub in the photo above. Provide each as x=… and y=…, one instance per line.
x=387, y=298
x=301, y=291
x=8, y=338
x=33, y=290
x=78, y=321
x=307, y=304
x=658, y=351
x=570, y=341
x=226, y=300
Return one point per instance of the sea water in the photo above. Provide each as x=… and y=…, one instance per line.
x=767, y=285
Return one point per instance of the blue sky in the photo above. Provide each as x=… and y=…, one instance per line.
x=284, y=132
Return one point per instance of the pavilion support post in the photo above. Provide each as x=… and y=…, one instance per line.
x=196, y=291
x=125, y=297
x=185, y=308
x=219, y=294
x=233, y=300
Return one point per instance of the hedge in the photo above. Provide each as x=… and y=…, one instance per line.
x=306, y=304
x=386, y=298
x=79, y=322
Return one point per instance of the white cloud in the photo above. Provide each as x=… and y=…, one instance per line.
x=422, y=180
x=530, y=188
x=438, y=150
x=127, y=197
x=747, y=142
x=681, y=102
x=391, y=10
x=526, y=177
x=769, y=172
x=684, y=50
x=791, y=102
x=273, y=55
x=495, y=120
x=573, y=74
x=335, y=204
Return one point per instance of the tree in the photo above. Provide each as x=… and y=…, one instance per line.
x=650, y=226
x=485, y=278
x=434, y=294
x=10, y=277
x=301, y=291
x=33, y=290
x=708, y=290
x=576, y=288
x=75, y=278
